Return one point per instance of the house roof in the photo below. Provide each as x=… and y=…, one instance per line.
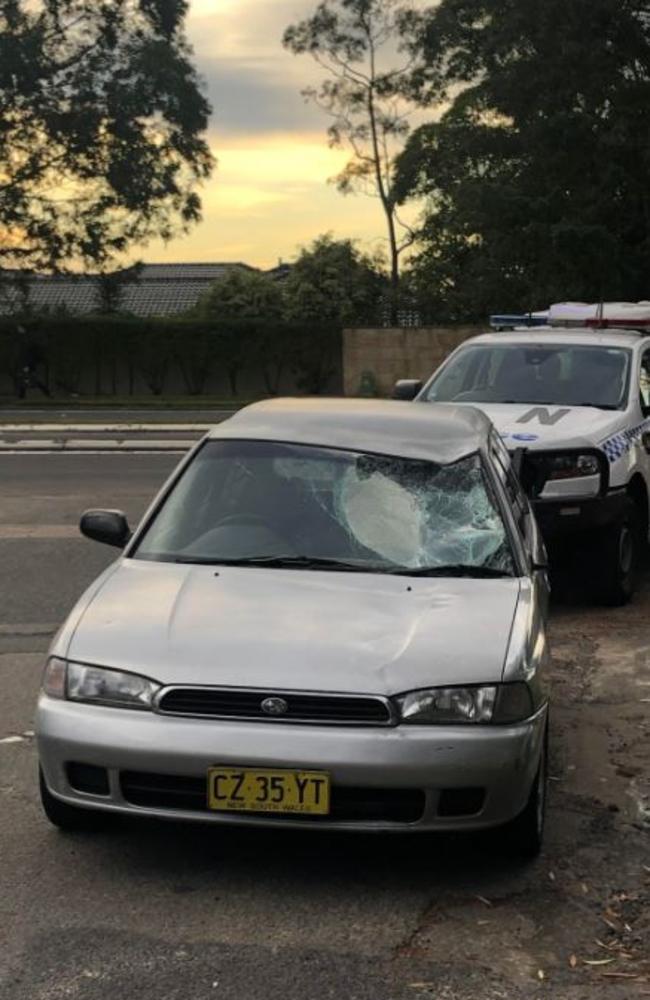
x=159, y=290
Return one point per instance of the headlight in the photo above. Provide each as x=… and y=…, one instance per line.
x=494, y=703
x=98, y=685
x=572, y=466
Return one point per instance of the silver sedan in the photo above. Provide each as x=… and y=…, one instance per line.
x=332, y=616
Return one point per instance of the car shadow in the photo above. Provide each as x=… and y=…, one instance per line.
x=194, y=854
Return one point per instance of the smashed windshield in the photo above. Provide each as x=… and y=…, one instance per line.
x=559, y=374
x=241, y=501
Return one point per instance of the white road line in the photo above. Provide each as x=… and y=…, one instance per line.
x=103, y=428
x=47, y=628
x=90, y=451
x=77, y=445
x=26, y=445
x=38, y=531
x=23, y=738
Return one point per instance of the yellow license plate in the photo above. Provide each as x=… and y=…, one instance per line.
x=247, y=789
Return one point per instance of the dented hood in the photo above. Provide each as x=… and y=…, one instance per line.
x=284, y=629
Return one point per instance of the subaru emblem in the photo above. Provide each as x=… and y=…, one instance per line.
x=274, y=706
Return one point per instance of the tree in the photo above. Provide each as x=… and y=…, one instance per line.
x=111, y=286
x=242, y=294
x=537, y=175
x=333, y=284
x=101, y=129
x=247, y=306
x=355, y=41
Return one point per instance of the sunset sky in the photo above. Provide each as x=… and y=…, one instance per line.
x=269, y=194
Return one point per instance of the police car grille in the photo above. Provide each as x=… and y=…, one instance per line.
x=219, y=703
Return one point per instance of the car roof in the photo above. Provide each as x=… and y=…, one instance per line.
x=442, y=433
x=563, y=335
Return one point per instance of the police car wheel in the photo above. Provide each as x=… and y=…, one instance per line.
x=619, y=557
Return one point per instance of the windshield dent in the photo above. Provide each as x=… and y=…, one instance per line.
x=276, y=505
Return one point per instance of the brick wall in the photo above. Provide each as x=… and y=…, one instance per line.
x=391, y=354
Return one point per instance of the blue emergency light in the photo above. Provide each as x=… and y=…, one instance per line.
x=508, y=321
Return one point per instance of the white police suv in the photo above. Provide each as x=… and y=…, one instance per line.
x=569, y=392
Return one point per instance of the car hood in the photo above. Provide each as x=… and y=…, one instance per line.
x=527, y=425
x=292, y=629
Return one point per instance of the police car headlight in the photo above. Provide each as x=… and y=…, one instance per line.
x=572, y=466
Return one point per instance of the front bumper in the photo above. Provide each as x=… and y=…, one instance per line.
x=501, y=760
x=559, y=518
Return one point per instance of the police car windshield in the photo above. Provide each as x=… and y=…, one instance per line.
x=551, y=374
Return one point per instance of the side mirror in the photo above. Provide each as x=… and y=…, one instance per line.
x=407, y=389
x=108, y=526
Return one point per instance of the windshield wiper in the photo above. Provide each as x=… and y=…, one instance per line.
x=460, y=569
x=285, y=562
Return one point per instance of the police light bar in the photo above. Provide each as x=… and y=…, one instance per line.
x=510, y=321
x=602, y=315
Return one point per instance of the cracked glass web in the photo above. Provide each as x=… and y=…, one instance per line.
x=410, y=513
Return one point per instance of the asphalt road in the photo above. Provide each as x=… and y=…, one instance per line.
x=163, y=911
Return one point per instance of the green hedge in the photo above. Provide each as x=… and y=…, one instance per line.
x=99, y=355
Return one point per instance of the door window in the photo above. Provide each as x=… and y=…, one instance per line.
x=512, y=486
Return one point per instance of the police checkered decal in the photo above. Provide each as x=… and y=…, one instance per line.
x=617, y=446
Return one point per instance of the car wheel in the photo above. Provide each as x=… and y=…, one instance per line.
x=618, y=552
x=524, y=835
x=71, y=818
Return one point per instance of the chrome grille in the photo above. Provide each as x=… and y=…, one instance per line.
x=301, y=706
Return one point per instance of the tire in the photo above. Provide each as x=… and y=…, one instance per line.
x=69, y=818
x=523, y=836
x=618, y=552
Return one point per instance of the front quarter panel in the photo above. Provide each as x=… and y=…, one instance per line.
x=528, y=654
x=63, y=638
x=61, y=643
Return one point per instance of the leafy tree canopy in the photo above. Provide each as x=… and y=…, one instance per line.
x=101, y=129
x=333, y=283
x=242, y=294
x=537, y=175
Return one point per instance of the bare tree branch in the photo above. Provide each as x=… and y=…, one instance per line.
x=364, y=101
